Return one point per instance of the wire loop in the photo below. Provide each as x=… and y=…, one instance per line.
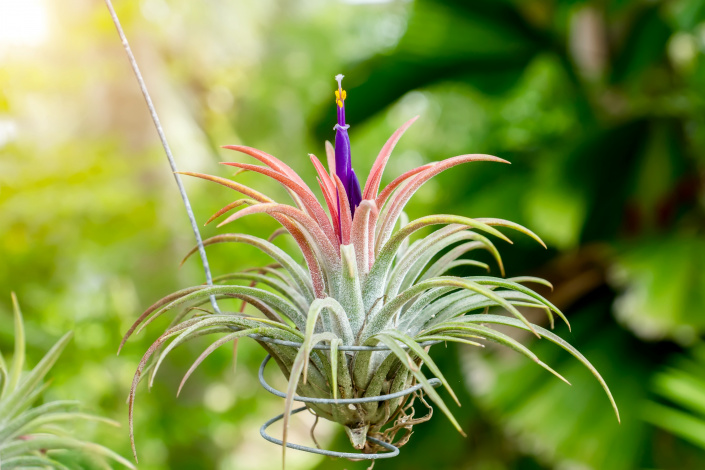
x=434, y=382
x=393, y=450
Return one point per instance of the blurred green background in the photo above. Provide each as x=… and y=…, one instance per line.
x=600, y=107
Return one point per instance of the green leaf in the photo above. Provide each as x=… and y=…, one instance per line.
x=334, y=344
x=31, y=461
x=512, y=225
x=292, y=267
x=438, y=269
x=412, y=262
x=300, y=366
x=682, y=386
x=554, y=339
x=428, y=389
x=409, y=268
x=454, y=328
x=4, y=380
x=454, y=339
x=349, y=294
x=423, y=355
x=48, y=443
x=457, y=303
x=508, y=284
x=381, y=320
x=218, y=343
x=274, y=301
x=18, y=358
x=282, y=288
x=678, y=422
x=376, y=280
x=13, y=427
x=337, y=320
x=277, y=331
x=186, y=334
x=52, y=418
x=10, y=405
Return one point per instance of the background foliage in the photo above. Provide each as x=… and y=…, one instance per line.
x=599, y=106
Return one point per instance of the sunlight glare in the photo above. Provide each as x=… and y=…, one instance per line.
x=23, y=23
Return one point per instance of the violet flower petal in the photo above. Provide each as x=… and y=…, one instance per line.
x=355, y=192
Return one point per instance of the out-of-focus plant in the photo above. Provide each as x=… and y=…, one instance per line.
x=35, y=436
x=365, y=285
x=681, y=387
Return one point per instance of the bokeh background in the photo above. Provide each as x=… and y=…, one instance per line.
x=599, y=105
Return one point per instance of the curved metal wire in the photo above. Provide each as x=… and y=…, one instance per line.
x=394, y=451
x=434, y=382
x=167, y=149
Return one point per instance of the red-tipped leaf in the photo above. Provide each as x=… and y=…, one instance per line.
x=375, y=177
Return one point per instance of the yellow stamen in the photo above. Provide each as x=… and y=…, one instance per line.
x=338, y=99
x=340, y=94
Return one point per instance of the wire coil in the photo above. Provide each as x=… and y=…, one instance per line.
x=393, y=450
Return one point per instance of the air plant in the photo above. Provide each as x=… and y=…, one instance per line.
x=34, y=436
x=363, y=283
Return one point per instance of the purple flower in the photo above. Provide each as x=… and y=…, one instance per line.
x=343, y=159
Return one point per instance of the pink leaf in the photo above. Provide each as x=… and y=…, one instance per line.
x=229, y=207
x=332, y=208
x=361, y=233
x=314, y=269
x=225, y=339
x=230, y=184
x=304, y=192
x=372, y=183
x=330, y=156
x=399, y=200
x=310, y=225
x=389, y=189
x=268, y=160
x=329, y=185
x=311, y=261
x=345, y=216
x=153, y=308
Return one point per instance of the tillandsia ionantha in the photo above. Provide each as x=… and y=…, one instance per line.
x=363, y=283
x=35, y=436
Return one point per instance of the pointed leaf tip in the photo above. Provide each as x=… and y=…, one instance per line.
x=552, y=371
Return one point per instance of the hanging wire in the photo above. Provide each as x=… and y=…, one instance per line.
x=167, y=149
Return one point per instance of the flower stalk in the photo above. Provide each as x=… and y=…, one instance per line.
x=343, y=154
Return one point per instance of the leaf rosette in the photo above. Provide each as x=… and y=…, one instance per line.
x=363, y=283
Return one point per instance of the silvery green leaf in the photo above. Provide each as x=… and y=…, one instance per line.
x=551, y=337
x=9, y=404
